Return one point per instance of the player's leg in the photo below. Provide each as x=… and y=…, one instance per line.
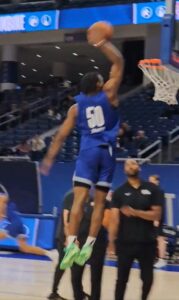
x=25, y=248
x=83, y=180
x=81, y=193
x=72, y=251
x=3, y=234
x=107, y=166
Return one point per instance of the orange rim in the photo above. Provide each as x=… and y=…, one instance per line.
x=153, y=63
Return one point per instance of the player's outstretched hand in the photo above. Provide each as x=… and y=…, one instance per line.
x=46, y=165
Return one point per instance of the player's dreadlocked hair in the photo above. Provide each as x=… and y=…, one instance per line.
x=89, y=82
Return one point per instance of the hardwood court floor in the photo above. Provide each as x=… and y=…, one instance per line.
x=24, y=279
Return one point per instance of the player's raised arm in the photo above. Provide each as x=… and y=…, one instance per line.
x=98, y=36
x=112, y=85
x=63, y=132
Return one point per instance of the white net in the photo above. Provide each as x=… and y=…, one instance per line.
x=165, y=80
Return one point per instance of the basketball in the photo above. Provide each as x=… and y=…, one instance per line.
x=99, y=31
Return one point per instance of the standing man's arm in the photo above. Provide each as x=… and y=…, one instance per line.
x=153, y=214
x=66, y=214
x=114, y=221
x=114, y=224
x=113, y=230
x=59, y=139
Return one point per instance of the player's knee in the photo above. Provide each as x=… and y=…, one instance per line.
x=76, y=211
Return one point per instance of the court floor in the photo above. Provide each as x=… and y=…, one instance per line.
x=25, y=279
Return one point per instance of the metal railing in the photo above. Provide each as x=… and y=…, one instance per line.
x=173, y=136
x=32, y=108
x=15, y=158
x=152, y=150
x=148, y=153
x=140, y=160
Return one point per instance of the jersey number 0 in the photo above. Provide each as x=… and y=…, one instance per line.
x=95, y=116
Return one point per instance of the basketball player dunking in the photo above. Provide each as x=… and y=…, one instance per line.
x=97, y=117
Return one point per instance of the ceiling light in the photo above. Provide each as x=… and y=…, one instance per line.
x=81, y=74
x=57, y=47
x=51, y=75
x=23, y=64
x=92, y=60
x=41, y=82
x=96, y=67
x=23, y=76
x=34, y=70
x=38, y=55
x=75, y=54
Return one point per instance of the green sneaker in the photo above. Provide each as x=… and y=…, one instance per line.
x=71, y=253
x=84, y=255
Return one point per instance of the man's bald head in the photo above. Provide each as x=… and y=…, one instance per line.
x=131, y=168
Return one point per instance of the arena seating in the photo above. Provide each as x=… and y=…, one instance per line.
x=145, y=115
x=142, y=113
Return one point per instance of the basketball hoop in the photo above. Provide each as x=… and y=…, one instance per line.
x=165, y=80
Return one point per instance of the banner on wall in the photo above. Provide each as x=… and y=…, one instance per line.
x=39, y=230
x=29, y=21
x=151, y=12
x=63, y=173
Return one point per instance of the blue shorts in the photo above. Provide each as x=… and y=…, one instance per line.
x=95, y=166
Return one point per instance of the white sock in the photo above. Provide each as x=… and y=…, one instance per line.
x=90, y=240
x=71, y=239
x=47, y=253
x=161, y=259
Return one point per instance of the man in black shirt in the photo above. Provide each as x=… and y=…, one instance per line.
x=135, y=206
x=96, y=261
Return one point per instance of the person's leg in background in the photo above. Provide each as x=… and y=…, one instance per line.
x=97, y=263
x=126, y=256
x=76, y=278
x=162, y=249
x=146, y=256
x=58, y=275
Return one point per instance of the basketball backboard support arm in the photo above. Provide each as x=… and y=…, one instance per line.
x=167, y=31
x=170, y=7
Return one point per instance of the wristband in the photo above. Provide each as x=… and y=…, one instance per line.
x=100, y=44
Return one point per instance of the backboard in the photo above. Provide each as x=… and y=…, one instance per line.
x=170, y=35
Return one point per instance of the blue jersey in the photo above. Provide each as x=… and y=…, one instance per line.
x=98, y=120
x=12, y=224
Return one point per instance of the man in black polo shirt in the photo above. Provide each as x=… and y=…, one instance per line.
x=135, y=206
x=96, y=261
